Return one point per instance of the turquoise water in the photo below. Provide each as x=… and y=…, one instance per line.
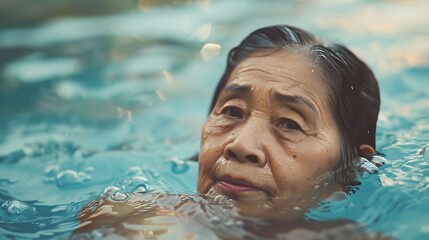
x=91, y=102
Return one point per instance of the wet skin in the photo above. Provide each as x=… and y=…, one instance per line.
x=271, y=134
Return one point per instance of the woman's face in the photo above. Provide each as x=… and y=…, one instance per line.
x=271, y=134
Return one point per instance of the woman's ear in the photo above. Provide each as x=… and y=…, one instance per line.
x=367, y=150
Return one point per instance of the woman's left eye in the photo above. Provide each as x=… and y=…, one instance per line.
x=288, y=124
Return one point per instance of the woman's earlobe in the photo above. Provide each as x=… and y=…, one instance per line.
x=367, y=149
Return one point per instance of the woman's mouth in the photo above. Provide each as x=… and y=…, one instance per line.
x=230, y=184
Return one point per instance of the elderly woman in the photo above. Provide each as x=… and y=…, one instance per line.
x=289, y=114
x=289, y=117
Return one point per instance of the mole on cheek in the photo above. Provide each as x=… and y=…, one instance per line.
x=294, y=156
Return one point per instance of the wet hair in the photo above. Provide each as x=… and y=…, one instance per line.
x=353, y=93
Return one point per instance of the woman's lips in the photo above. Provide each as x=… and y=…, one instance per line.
x=236, y=185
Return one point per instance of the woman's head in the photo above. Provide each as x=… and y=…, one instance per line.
x=289, y=113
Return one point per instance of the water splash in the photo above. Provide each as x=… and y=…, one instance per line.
x=15, y=207
x=364, y=165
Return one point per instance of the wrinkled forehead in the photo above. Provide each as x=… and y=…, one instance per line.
x=285, y=70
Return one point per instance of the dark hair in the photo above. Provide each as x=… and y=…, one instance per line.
x=353, y=92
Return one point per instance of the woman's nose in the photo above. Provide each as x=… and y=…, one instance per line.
x=246, y=147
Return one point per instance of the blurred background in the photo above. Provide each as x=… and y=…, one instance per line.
x=96, y=93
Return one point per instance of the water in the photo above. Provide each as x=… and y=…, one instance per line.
x=103, y=105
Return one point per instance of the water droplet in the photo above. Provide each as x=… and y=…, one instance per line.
x=210, y=50
x=296, y=208
x=202, y=33
x=167, y=76
x=352, y=88
x=160, y=95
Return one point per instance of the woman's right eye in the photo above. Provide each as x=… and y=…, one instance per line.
x=233, y=112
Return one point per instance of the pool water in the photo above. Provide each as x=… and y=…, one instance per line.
x=96, y=104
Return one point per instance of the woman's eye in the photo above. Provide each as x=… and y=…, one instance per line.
x=289, y=124
x=232, y=112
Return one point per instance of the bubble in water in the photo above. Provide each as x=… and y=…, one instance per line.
x=119, y=196
x=179, y=167
x=137, y=180
x=229, y=223
x=109, y=191
x=143, y=188
x=51, y=172
x=422, y=150
x=137, y=184
x=97, y=234
x=15, y=207
x=28, y=151
x=69, y=178
x=133, y=171
x=215, y=220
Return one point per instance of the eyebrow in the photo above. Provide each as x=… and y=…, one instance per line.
x=239, y=89
x=284, y=98
x=296, y=100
